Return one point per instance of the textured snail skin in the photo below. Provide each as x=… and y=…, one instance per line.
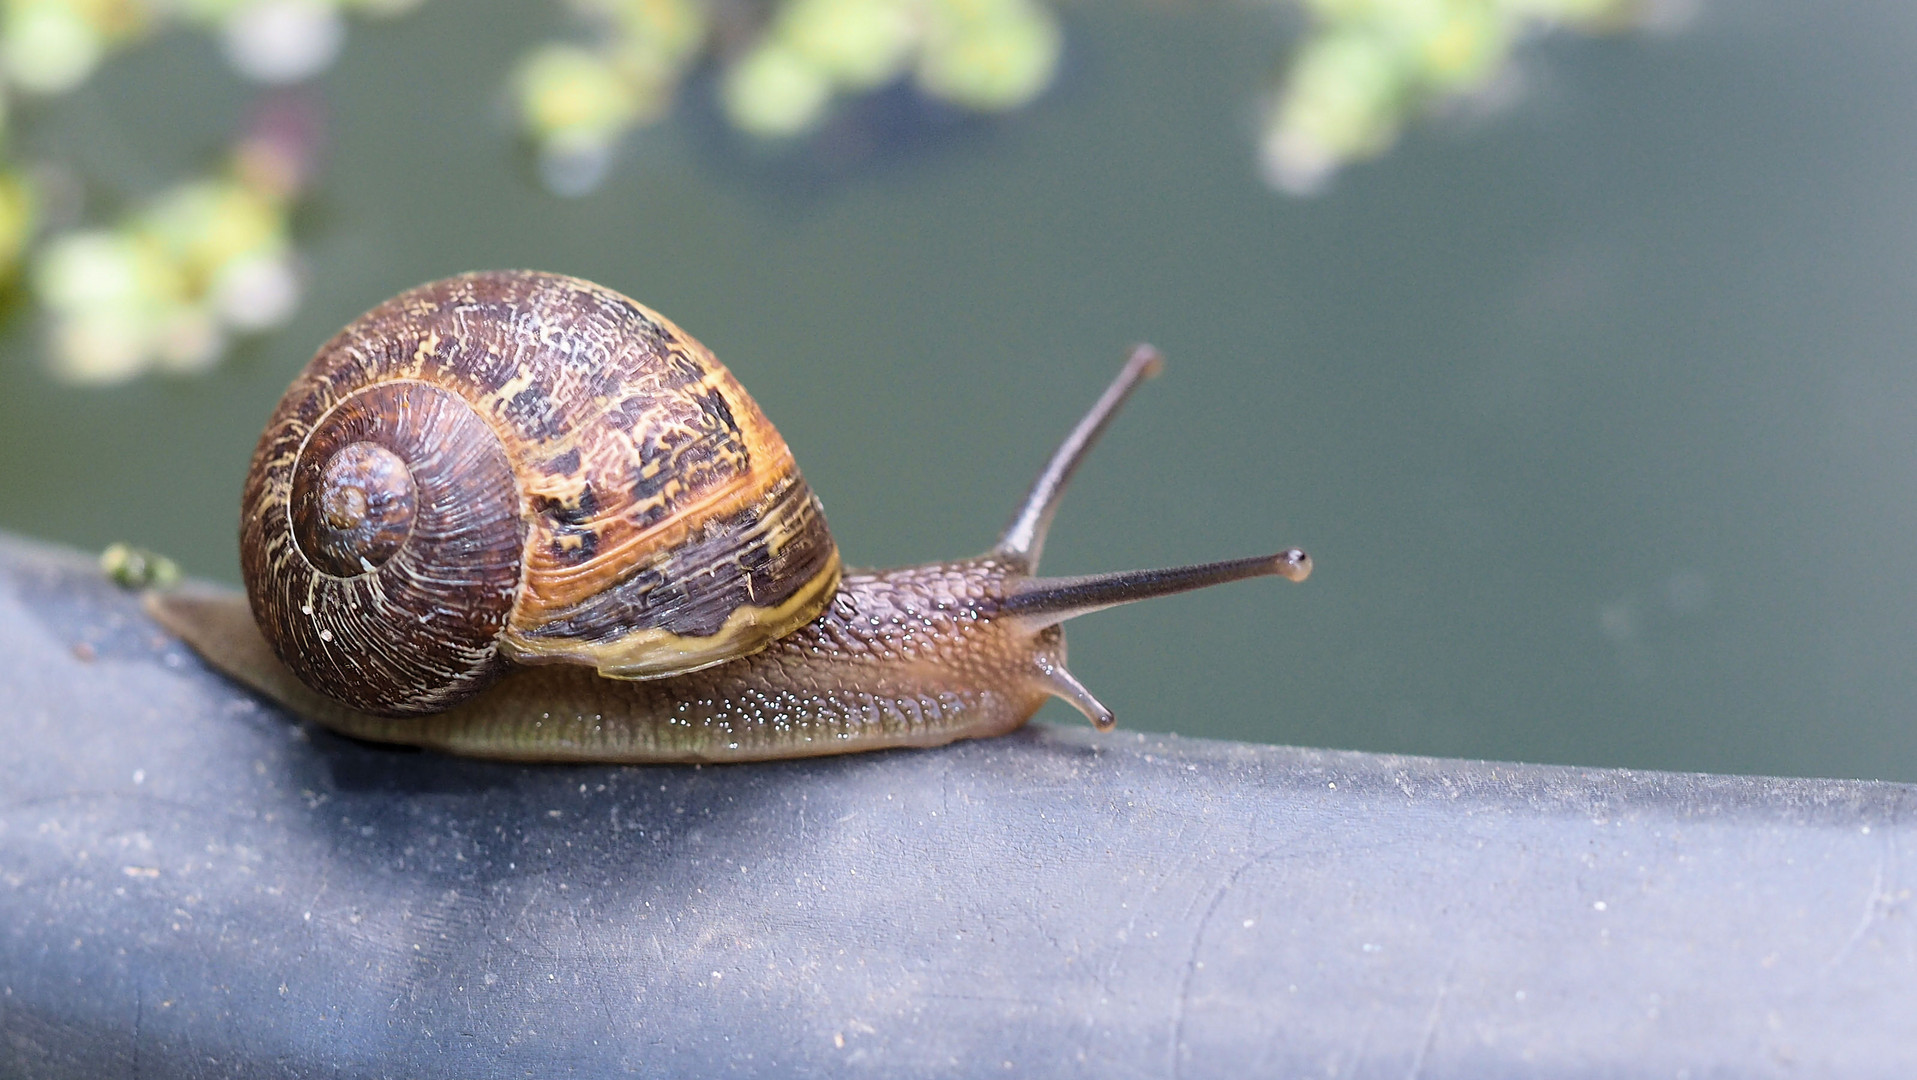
x=914, y=657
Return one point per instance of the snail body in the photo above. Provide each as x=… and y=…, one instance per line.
x=517, y=515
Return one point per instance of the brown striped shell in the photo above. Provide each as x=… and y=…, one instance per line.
x=521, y=467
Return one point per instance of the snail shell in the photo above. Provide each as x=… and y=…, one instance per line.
x=521, y=467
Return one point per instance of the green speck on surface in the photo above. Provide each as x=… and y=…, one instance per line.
x=137, y=568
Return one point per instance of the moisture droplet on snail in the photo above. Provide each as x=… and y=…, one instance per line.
x=517, y=515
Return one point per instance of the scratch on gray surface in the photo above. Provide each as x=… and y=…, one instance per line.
x=139, y=1018
x=1190, y=967
x=945, y=793
x=1032, y=1003
x=1431, y=1024
x=1871, y=901
x=1348, y=1063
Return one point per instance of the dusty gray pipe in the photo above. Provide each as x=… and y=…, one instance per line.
x=193, y=885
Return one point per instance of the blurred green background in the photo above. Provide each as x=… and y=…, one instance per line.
x=1596, y=411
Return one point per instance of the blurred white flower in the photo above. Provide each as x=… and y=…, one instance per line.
x=188, y=341
x=257, y=292
x=93, y=270
x=48, y=48
x=283, y=41
x=107, y=347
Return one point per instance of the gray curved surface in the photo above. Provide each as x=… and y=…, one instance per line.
x=193, y=885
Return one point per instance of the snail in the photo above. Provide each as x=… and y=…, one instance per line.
x=518, y=515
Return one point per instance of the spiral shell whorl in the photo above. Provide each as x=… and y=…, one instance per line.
x=382, y=548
